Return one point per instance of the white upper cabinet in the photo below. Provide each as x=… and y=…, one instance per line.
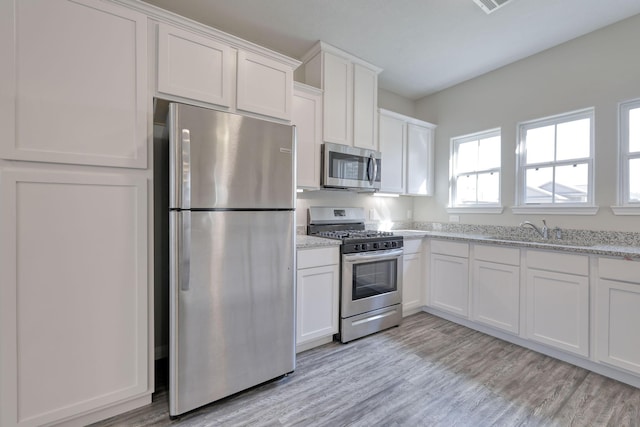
x=73, y=81
x=350, y=88
x=365, y=102
x=407, y=147
x=392, y=140
x=195, y=67
x=265, y=86
x=420, y=159
x=307, y=117
x=211, y=67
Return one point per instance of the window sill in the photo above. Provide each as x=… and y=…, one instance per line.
x=554, y=210
x=476, y=210
x=625, y=210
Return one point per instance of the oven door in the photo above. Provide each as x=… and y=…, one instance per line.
x=370, y=280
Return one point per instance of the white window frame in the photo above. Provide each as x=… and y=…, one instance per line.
x=580, y=208
x=625, y=206
x=489, y=208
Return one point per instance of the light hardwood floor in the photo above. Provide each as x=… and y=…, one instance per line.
x=426, y=372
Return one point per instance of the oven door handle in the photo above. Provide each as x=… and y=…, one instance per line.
x=375, y=255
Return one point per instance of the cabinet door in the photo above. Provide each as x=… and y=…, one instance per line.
x=337, y=83
x=194, y=67
x=420, y=160
x=74, y=83
x=617, y=324
x=317, y=303
x=412, y=284
x=449, y=285
x=73, y=301
x=392, y=146
x=496, y=295
x=307, y=117
x=365, y=104
x=558, y=310
x=265, y=86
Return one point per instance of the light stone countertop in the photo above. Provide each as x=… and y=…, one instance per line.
x=304, y=241
x=557, y=245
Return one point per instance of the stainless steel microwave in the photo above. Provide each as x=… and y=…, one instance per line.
x=350, y=167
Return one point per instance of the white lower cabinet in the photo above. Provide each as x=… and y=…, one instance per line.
x=318, y=286
x=412, y=277
x=618, y=314
x=74, y=297
x=495, y=284
x=449, y=284
x=558, y=301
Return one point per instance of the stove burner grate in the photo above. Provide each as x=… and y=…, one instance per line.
x=354, y=234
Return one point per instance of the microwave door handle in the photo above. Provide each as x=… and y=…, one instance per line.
x=370, y=175
x=375, y=169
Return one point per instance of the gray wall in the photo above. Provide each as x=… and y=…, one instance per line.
x=597, y=70
x=394, y=102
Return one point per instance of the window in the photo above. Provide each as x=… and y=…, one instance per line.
x=555, y=161
x=630, y=153
x=475, y=166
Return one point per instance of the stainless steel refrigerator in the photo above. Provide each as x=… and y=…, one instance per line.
x=231, y=254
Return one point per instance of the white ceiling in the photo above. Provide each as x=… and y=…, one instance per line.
x=423, y=45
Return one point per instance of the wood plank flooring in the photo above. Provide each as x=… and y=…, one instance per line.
x=426, y=372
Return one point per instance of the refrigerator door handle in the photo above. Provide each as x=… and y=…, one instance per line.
x=184, y=250
x=186, y=168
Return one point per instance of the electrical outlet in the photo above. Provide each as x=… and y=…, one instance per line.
x=454, y=218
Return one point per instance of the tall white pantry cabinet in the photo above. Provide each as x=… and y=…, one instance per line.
x=77, y=81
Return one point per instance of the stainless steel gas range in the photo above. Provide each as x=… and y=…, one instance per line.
x=371, y=271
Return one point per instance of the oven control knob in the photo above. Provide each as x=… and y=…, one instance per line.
x=356, y=247
x=376, y=246
x=394, y=244
x=386, y=244
x=365, y=246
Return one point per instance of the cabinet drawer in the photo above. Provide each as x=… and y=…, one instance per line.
x=317, y=257
x=412, y=246
x=508, y=256
x=617, y=269
x=450, y=248
x=562, y=263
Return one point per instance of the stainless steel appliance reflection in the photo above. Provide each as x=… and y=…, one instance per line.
x=371, y=277
x=232, y=231
x=349, y=167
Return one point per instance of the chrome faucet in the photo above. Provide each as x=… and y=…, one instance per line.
x=544, y=231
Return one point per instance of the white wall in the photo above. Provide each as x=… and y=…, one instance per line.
x=597, y=70
x=384, y=209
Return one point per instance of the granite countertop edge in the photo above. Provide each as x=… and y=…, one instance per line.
x=304, y=241
x=596, y=249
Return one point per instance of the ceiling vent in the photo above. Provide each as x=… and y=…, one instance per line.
x=490, y=5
